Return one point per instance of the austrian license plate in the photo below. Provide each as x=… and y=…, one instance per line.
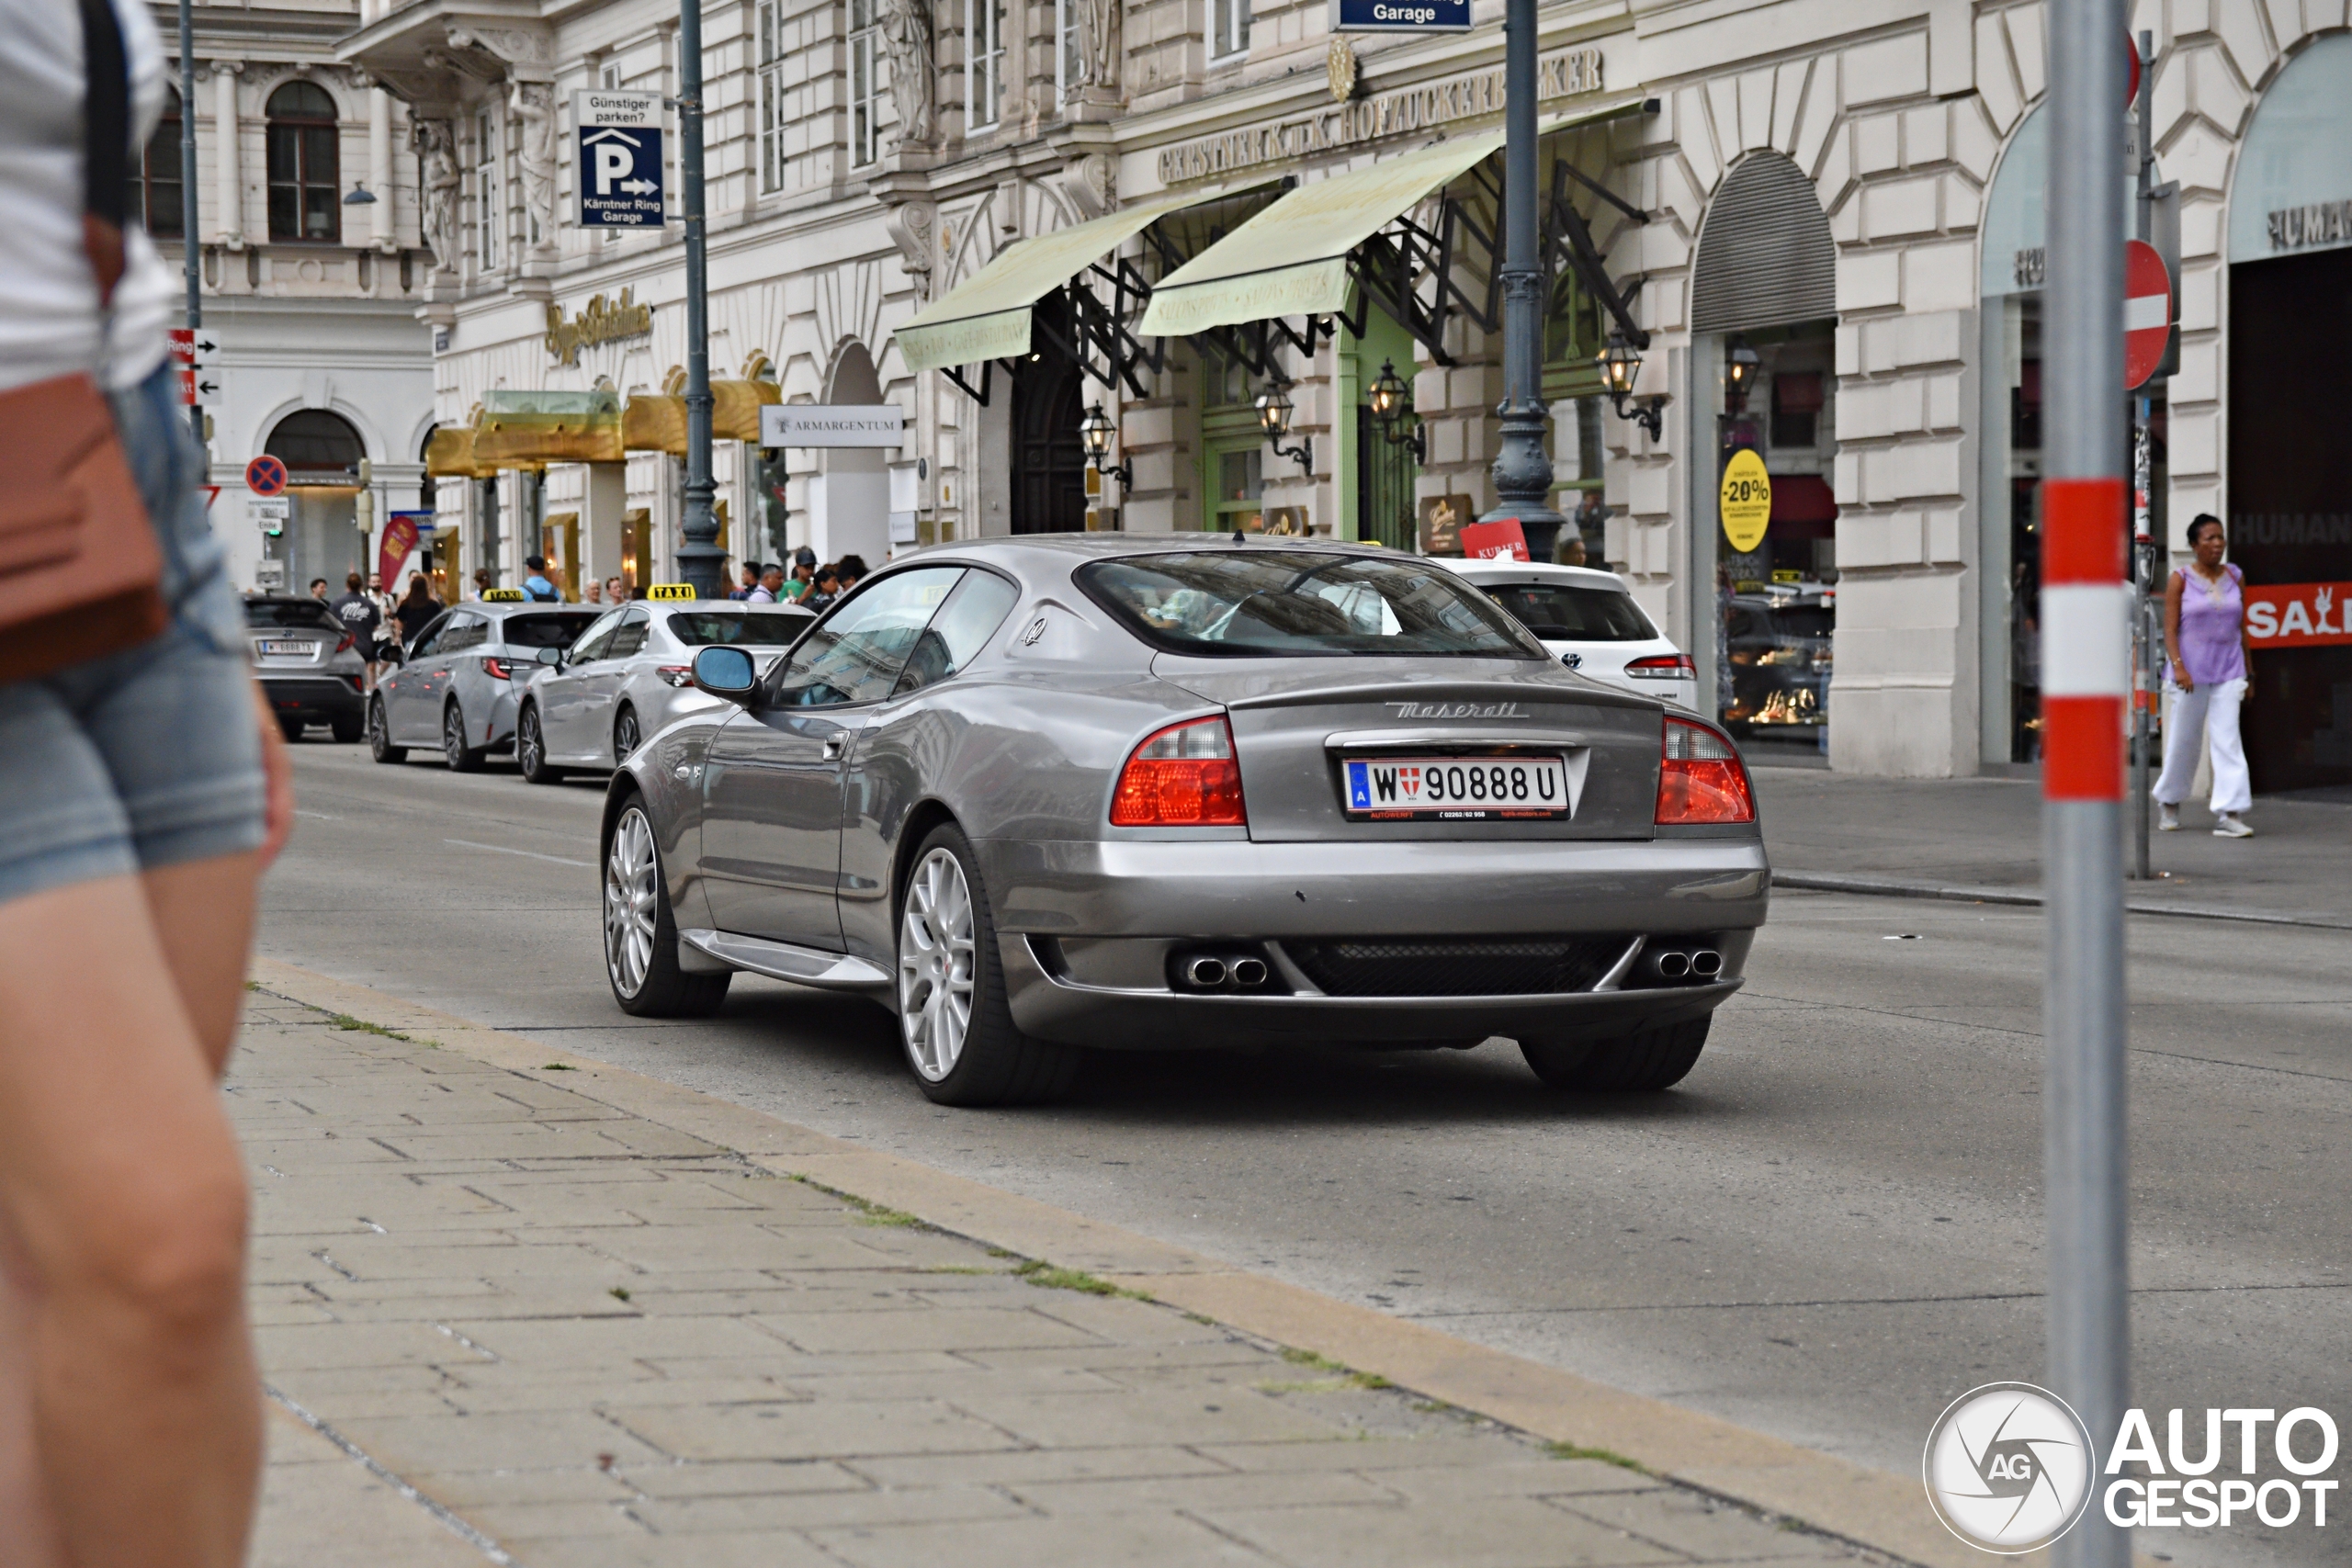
x=1455, y=789
x=271, y=648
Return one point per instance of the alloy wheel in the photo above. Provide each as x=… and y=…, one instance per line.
x=625, y=735
x=936, y=965
x=530, y=750
x=452, y=739
x=378, y=736
x=632, y=896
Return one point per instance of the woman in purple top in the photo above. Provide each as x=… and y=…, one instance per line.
x=2212, y=673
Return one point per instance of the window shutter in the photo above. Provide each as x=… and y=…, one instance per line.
x=1766, y=258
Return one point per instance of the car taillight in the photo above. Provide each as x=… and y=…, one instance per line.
x=1183, y=777
x=345, y=646
x=677, y=674
x=498, y=669
x=1700, y=778
x=1662, y=666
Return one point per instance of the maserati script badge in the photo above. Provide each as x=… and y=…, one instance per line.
x=1459, y=710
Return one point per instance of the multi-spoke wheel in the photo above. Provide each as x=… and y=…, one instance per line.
x=641, y=937
x=959, y=1035
x=380, y=735
x=461, y=758
x=531, y=748
x=624, y=735
x=935, y=964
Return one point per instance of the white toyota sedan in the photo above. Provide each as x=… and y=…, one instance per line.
x=1591, y=622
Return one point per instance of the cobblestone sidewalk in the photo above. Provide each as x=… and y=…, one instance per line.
x=503, y=1321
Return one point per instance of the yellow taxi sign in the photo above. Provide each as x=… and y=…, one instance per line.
x=1746, y=500
x=502, y=595
x=671, y=591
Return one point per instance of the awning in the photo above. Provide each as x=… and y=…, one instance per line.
x=1292, y=258
x=449, y=454
x=1803, y=507
x=657, y=422
x=987, y=315
x=518, y=429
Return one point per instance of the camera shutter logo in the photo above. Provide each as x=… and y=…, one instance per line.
x=2008, y=1467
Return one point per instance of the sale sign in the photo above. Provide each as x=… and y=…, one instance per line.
x=2299, y=614
x=1501, y=540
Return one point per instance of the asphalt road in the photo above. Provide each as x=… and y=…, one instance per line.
x=1828, y=1231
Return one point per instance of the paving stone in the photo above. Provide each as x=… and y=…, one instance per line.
x=818, y=1510
x=1145, y=1416
x=1692, y=1524
x=946, y=1328
x=1022, y=1467
x=1161, y=1539
x=744, y=1478
x=810, y=1429
x=1503, y=1532
x=548, y=1439
x=1199, y=1492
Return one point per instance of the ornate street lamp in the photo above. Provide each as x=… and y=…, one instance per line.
x=1620, y=362
x=1739, y=375
x=1094, y=433
x=1273, y=418
x=1389, y=406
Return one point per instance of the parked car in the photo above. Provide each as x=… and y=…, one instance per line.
x=1049, y=793
x=308, y=666
x=1591, y=622
x=460, y=684
x=626, y=677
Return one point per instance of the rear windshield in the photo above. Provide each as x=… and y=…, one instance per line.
x=545, y=631
x=1559, y=611
x=1258, y=601
x=758, y=628
x=304, y=614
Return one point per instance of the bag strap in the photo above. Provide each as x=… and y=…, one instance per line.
x=106, y=143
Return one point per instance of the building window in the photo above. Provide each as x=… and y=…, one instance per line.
x=865, y=93
x=488, y=203
x=1228, y=29
x=156, y=178
x=305, y=188
x=1069, y=64
x=608, y=75
x=984, y=44
x=771, y=69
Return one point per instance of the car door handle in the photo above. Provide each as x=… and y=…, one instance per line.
x=833, y=745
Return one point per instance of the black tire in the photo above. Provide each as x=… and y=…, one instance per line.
x=1645, y=1061
x=461, y=758
x=650, y=983
x=347, y=727
x=380, y=735
x=531, y=748
x=994, y=1063
x=291, y=729
x=627, y=736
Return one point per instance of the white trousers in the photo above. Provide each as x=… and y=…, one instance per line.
x=2209, y=714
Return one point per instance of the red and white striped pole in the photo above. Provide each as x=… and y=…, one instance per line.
x=2086, y=677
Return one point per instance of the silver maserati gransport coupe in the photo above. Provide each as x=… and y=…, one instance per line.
x=1053, y=793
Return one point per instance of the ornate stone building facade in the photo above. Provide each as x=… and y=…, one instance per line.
x=1822, y=216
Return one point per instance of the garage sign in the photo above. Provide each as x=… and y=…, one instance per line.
x=1746, y=500
x=617, y=155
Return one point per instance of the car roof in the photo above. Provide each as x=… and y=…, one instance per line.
x=725, y=607
x=1538, y=572
x=499, y=609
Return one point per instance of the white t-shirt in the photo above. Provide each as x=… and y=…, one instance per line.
x=48, y=297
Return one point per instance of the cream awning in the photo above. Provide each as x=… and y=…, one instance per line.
x=1292, y=258
x=987, y=315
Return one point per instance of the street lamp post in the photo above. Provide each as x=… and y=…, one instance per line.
x=1523, y=465
x=189, y=259
x=700, y=559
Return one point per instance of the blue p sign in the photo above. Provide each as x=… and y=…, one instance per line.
x=619, y=159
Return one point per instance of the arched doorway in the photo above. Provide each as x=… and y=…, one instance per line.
x=851, y=512
x=1764, y=298
x=1048, y=461
x=321, y=454
x=2289, y=468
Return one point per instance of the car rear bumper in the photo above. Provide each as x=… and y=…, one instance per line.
x=317, y=699
x=1090, y=933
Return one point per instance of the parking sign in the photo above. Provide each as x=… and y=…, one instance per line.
x=617, y=159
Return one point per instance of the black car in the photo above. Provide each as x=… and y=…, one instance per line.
x=309, y=664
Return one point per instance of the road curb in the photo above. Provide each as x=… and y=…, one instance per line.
x=1871, y=1509
x=1814, y=882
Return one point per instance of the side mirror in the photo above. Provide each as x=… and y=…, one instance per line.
x=726, y=672
x=553, y=655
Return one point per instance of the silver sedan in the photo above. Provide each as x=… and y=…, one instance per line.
x=1056, y=793
x=462, y=679
x=626, y=676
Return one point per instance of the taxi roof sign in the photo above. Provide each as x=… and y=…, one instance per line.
x=502, y=595
x=671, y=591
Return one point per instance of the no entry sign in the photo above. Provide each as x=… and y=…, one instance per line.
x=2147, y=312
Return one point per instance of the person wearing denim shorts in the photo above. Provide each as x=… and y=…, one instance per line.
x=141, y=794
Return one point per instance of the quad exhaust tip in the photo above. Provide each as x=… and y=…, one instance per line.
x=1674, y=964
x=1248, y=971
x=1211, y=971
x=1706, y=964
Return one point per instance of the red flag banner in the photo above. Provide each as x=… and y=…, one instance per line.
x=400, y=540
x=2299, y=614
